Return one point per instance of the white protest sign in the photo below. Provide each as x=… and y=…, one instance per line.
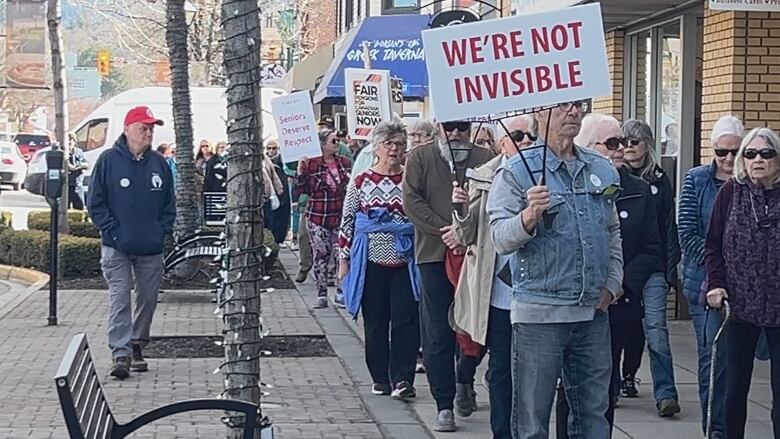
x=397, y=95
x=295, y=126
x=368, y=100
x=517, y=63
x=745, y=5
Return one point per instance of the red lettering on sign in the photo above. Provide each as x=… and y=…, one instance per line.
x=499, y=45
x=517, y=82
x=540, y=40
x=543, y=81
x=472, y=89
x=559, y=84
x=458, y=93
x=515, y=38
x=575, y=31
x=517, y=79
x=560, y=37
x=476, y=49
x=575, y=73
x=454, y=52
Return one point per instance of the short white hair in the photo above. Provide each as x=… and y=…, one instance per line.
x=727, y=126
x=590, y=128
x=772, y=142
x=528, y=118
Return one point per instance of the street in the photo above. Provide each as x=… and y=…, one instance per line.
x=20, y=203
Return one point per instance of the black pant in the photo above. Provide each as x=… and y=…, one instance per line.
x=634, y=348
x=499, y=375
x=74, y=199
x=389, y=307
x=466, y=365
x=277, y=221
x=438, y=338
x=621, y=336
x=741, y=339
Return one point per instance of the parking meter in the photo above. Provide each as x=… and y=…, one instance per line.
x=54, y=175
x=53, y=187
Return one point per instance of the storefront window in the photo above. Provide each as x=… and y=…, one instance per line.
x=669, y=132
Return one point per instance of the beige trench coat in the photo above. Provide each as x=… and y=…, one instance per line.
x=471, y=307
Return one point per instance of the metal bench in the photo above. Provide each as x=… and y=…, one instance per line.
x=202, y=245
x=88, y=416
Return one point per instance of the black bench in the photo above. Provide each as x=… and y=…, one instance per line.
x=202, y=245
x=88, y=415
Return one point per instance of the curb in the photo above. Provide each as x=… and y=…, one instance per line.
x=35, y=280
x=24, y=275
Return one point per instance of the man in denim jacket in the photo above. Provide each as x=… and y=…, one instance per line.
x=566, y=267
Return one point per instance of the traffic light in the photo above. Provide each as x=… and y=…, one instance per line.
x=104, y=62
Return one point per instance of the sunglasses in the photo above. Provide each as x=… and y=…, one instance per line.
x=613, y=143
x=580, y=105
x=765, y=154
x=519, y=135
x=452, y=126
x=724, y=152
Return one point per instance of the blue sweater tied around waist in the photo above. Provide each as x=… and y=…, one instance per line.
x=378, y=220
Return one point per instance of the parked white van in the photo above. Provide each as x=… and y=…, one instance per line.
x=100, y=129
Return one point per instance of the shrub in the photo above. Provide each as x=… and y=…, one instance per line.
x=6, y=220
x=74, y=216
x=76, y=222
x=79, y=257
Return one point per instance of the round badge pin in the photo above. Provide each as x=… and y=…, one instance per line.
x=595, y=180
x=654, y=189
x=125, y=182
x=624, y=214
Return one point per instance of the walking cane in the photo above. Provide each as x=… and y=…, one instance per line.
x=713, y=364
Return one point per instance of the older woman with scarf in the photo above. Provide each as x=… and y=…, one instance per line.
x=377, y=265
x=482, y=301
x=743, y=266
x=324, y=179
x=643, y=161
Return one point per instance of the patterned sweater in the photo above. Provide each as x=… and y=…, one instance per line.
x=369, y=190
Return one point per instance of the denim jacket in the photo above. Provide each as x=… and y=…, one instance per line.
x=569, y=262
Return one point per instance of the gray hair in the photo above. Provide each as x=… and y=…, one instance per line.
x=638, y=129
x=772, y=141
x=533, y=124
x=388, y=129
x=590, y=128
x=422, y=126
x=727, y=126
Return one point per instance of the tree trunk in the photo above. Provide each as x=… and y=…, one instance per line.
x=187, y=212
x=53, y=17
x=244, y=222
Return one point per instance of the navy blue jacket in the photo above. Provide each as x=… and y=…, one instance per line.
x=696, y=201
x=132, y=200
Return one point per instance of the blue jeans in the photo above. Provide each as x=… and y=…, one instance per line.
x=657, y=335
x=499, y=374
x=539, y=353
x=706, y=325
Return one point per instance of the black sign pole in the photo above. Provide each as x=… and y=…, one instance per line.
x=53, y=257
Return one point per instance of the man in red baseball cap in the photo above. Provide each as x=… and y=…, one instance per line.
x=132, y=202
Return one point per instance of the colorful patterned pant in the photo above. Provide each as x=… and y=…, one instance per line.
x=324, y=245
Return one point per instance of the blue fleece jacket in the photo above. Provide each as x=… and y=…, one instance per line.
x=132, y=200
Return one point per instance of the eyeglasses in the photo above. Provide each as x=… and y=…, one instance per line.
x=483, y=142
x=583, y=106
x=390, y=144
x=765, y=153
x=458, y=125
x=725, y=152
x=420, y=135
x=519, y=135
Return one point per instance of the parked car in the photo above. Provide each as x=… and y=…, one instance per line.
x=13, y=168
x=6, y=136
x=30, y=143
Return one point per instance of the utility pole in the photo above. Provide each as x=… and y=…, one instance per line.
x=59, y=84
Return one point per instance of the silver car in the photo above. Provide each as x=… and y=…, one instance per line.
x=13, y=168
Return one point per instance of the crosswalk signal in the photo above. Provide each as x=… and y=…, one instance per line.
x=103, y=63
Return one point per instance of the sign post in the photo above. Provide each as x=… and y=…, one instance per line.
x=517, y=63
x=368, y=100
x=296, y=126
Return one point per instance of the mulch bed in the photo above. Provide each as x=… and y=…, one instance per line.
x=204, y=346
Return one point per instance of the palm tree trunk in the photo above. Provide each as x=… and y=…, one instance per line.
x=244, y=222
x=187, y=215
x=53, y=17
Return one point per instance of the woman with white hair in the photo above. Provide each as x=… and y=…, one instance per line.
x=700, y=186
x=377, y=265
x=643, y=161
x=421, y=131
x=641, y=246
x=743, y=265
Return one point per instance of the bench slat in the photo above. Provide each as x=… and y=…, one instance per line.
x=81, y=372
x=108, y=426
x=96, y=423
x=92, y=393
x=94, y=414
x=76, y=368
x=81, y=393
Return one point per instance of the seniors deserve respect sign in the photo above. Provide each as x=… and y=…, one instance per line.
x=368, y=100
x=517, y=63
x=295, y=126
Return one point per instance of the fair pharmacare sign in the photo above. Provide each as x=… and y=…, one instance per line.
x=295, y=126
x=745, y=5
x=517, y=63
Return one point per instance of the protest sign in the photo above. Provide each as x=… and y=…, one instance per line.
x=745, y=5
x=516, y=63
x=368, y=100
x=295, y=126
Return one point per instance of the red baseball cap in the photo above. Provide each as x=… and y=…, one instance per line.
x=141, y=114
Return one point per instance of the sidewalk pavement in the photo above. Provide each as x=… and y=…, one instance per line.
x=312, y=397
x=635, y=418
